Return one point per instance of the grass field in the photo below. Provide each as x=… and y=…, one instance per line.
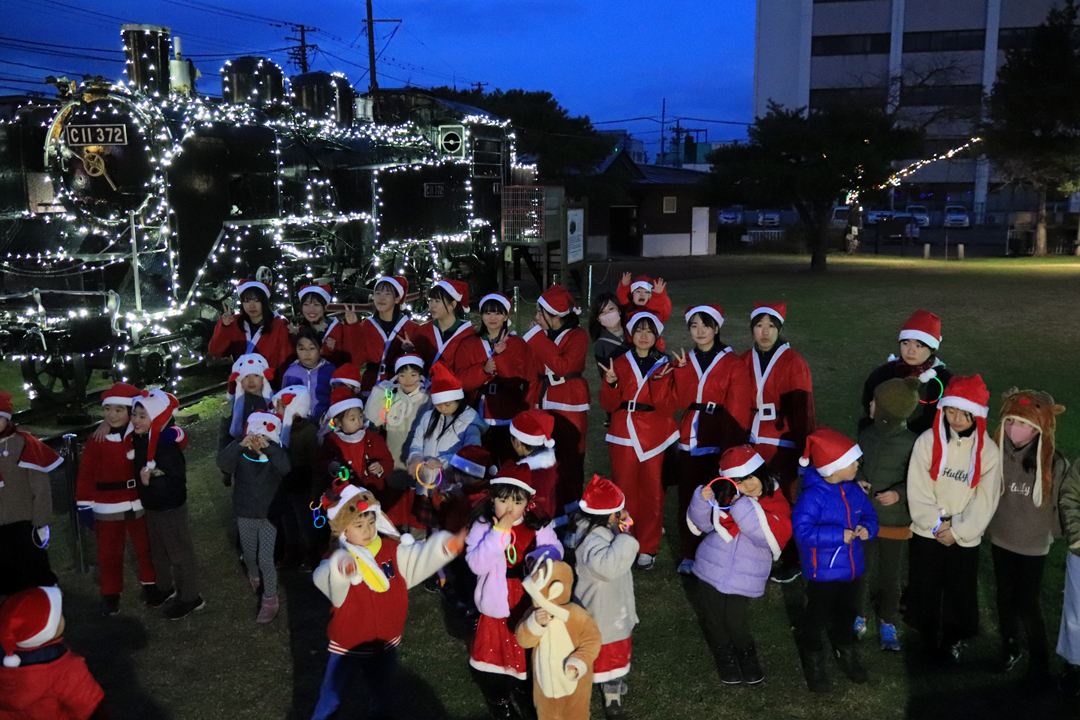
x=1015, y=322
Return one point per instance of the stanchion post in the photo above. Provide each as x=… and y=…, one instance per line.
x=960, y=251
x=71, y=470
x=926, y=251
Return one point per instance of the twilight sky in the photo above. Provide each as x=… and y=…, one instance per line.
x=608, y=59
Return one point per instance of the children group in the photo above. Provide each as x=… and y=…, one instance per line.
x=387, y=454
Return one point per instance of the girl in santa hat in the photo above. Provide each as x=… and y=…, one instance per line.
x=643, y=294
x=506, y=539
x=377, y=341
x=715, y=390
x=954, y=485
x=744, y=522
x=495, y=367
x=258, y=464
x=560, y=346
x=604, y=556
x=441, y=339
x=531, y=437
x=255, y=329
x=639, y=392
x=783, y=411
x=920, y=338
x=330, y=332
x=311, y=370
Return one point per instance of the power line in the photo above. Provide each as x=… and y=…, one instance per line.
x=63, y=47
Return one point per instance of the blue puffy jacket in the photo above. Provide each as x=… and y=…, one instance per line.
x=821, y=515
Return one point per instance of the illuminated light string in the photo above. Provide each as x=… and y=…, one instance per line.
x=895, y=179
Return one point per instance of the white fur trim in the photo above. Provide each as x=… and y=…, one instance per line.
x=541, y=460
x=534, y=627
x=611, y=674
x=765, y=528
x=744, y=470
x=497, y=297
x=841, y=462
x=693, y=528
x=49, y=631
x=534, y=440
x=468, y=466
x=410, y=359
x=119, y=507
x=964, y=404
x=583, y=506
x=512, y=481
x=125, y=401
x=343, y=405
x=717, y=516
x=391, y=281
x=708, y=310
x=252, y=284
x=547, y=306
x=927, y=375
x=314, y=289
x=5, y=414
x=347, y=493
x=496, y=669
x=641, y=284
x=449, y=289
x=766, y=311
x=640, y=315
x=924, y=337
x=447, y=396
x=42, y=468
x=344, y=381
x=532, y=331
x=582, y=668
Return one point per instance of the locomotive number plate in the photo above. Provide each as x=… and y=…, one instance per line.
x=434, y=190
x=96, y=135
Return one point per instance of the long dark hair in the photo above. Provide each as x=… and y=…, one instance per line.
x=595, y=328
x=267, y=324
x=439, y=293
x=725, y=493
x=590, y=520
x=533, y=519
x=435, y=415
x=496, y=307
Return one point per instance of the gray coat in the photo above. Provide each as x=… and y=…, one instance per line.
x=254, y=483
x=605, y=586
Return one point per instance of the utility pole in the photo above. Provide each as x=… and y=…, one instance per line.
x=663, y=120
x=299, y=55
x=373, y=85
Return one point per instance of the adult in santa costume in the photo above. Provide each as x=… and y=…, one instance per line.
x=441, y=339
x=313, y=300
x=639, y=392
x=255, y=329
x=376, y=342
x=560, y=345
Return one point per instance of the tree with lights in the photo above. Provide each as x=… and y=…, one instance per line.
x=809, y=159
x=1032, y=128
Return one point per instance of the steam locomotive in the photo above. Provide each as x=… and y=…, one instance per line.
x=128, y=210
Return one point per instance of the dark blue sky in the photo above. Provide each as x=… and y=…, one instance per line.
x=608, y=59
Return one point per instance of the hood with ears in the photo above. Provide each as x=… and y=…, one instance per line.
x=550, y=586
x=1037, y=409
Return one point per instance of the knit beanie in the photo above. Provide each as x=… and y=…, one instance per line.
x=894, y=401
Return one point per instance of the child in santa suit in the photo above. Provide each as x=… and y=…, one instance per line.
x=255, y=329
x=367, y=577
x=531, y=438
x=639, y=392
x=329, y=332
x=744, y=521
x=40, y=678
x=605, y=555
x=441, y=339
x=495, y=367
x=715, y=389
x=25, y=505
x=377, y=342
x=109, y=504
x=505, y=540
x=560, y=346
x=361, y=451
x=783, y=412
x=643, y=294
x=954, y=485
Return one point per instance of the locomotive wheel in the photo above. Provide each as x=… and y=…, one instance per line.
x=54, y=380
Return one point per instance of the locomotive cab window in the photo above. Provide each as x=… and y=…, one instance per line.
x=487, y=157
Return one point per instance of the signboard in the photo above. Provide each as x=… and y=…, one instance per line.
x=81, y=135
x=575, y=235
x=434, y=190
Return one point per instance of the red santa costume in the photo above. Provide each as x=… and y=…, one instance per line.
x=107, y=487
x=659, y=303
x=561, y=389
x=500, y=396
x=433, y=344
x=534, y=428
x=237, y=338
x=333, y=337
x=40, y=678
x=642, y=405
x=716, y=392
x=783, y=404
x=376, y=344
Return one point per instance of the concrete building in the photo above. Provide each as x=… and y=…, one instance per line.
x=931, y=61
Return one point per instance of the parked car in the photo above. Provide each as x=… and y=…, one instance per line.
x=956, y=216
x=920, y=213
x=768, y=218
x=732, y=215
x=873, y=217
x=839, y=216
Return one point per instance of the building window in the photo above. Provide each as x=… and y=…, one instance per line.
x=865, y=97
x=1016, y=38
x=875, y=44
x=941, y=95
x=917, y=42
x=669, y=205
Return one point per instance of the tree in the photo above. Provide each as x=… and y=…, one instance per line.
x=1032, y=127
x=563, y=145
x=809, y=160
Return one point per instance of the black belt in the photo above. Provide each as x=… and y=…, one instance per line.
x=121, y=485
x=567, y=376
x=707, y=408
x=635, y=407
x=516, y=573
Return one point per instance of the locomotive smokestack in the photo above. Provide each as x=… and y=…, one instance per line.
x=147, y=50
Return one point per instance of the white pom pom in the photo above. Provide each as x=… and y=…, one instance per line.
x=12, y=661
x=151, y=465
x=804, y=461
x=130, y=454
x=928, y=375
x=407, y=539
x=492, y=469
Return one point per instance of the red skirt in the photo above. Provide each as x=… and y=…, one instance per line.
x=613, y=662
x=495, y=648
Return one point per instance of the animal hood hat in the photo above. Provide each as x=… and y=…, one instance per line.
x=457, y=290
x=28, y=619
x=923, y=326
x=1037, y=409
x=558, y=301
x=829, y=451
x=245, y=365
x=160, y=406
x=343, y=502
x=120, y=393
x=602, y=497
x=714, y=311
x=265, y=423
x=967, y=393
x=297, y=402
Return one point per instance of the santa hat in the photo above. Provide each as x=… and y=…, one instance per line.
x=265, y=423
x=444, y=386
x=499, y=298
x=6, y=405
x=29, y=619
x=558, y=301
x=297, y=402
x=343, y=502
x=474, y=460
x=533, y=427
x=1038, y=410
x=829, y=451
x=644, y=316
x=643, y=282
x=341, y=399
x=245, y=285
x=777, y=310
x=399, y=283
x=712, y=311
x=457, y=290
x=245, y=365
x=923, y=326
x=322, y=291
x=120, y=394
x=601, y=497
x=740, y=461
x=160, y=406
x=967, y=393
x=514, y=474
x=347, y=374
x=409, y=359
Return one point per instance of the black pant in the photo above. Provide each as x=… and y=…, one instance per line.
x=22, y=563
x=1019, y=580
x=943, y=590
x=880, y=583
x=829, y=606
x=725, y=618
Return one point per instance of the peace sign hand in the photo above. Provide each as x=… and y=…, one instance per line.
x=406, y=343
x=500, y=345
x=680, y=357
x=350, y=316
x=610, y=376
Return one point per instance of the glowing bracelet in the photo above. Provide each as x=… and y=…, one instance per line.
x=424, y=485
x=624, y=526
x=713, y=502
x=511, y=549
x=940, y=394
x=48, y=534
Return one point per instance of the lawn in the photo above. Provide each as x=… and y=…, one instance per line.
x=1014, y=322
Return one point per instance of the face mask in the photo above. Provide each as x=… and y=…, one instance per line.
x=1020, y=433
x=610, y=320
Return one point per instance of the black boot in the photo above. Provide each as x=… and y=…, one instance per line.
x=521, y=695
x=500, y=709
x=727, y=664
x=847, y=658
x=749, y=665
x=814, y=669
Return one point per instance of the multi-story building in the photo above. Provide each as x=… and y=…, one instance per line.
x=627, y=143
x=930, y=61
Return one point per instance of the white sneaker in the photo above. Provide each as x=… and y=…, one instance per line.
x=646, y=562
x=686, y=567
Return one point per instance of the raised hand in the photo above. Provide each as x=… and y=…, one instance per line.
x=406, y=343
x=610, y=376
x=489, y=366
x=707, y=493
x=626, y=276
x=500, y=346
x=659, y=285
x=227, y=318
x=350, y=316
x=680, y=357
